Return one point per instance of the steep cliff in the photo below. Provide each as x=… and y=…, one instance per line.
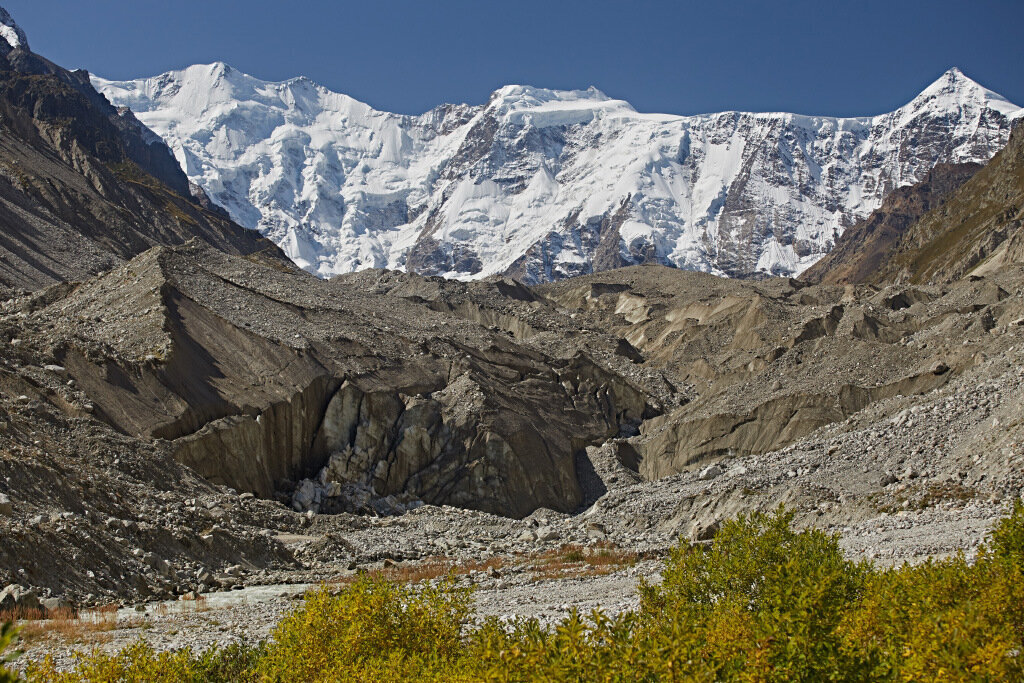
x=84, y=186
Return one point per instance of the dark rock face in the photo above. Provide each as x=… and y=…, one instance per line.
x=864, y=247
x=138, y=144
x=599, y=236
x=83, y=186
x=959, y=219
x=428, y=256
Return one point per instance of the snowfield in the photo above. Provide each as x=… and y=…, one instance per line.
x=544, y=184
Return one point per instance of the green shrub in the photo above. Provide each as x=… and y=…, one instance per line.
x=948, y=619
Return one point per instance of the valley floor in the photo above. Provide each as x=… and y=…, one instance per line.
x=867, y=479
x=542, y=584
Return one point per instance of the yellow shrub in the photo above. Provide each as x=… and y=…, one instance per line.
x=139, y=663
x=8, y=636
x=372, y=628
x=764, y=603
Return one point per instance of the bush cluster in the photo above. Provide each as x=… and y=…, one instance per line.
x=8, y=635
x=763, y=603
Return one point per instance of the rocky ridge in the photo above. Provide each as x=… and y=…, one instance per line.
x=977, y=231
x=940, y=229
x=84, y=186
x=864, y=247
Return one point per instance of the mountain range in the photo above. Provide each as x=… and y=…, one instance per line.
x=544, y=184
x=183, y=410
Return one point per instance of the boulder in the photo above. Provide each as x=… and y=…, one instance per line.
x=710, y=472
x=17, y=597
x=55, y=604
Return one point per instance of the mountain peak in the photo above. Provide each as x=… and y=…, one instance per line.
x=954, y=86
x=546, y=107
x=11, y=32
x=954, y=78
x=522, y=184
x=526, y=96
x=219, y=67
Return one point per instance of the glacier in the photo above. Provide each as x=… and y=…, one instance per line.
x=543, y=184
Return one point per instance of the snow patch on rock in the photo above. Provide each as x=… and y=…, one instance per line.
x=11, y=32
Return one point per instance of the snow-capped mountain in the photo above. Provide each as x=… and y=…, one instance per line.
x=12, y=33
x=544, y=184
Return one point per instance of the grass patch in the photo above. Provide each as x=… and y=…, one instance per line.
x=922, y=497
x=571, y=561
x=430, y=569
x=66, y=625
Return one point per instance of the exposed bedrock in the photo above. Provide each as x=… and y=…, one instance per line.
x=238, y=408
x=258, y=452
x=498, y=441
x=500, y=444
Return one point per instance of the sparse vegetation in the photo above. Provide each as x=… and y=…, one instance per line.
x=924, y=497
x=71, y=627
x=129, y=172
x=429, y=569
x=762, y=603
x=8, y=636
x=574, y=560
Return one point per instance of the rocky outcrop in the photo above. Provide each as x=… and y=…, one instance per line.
x=972, y=226
x=377, y=391
x=84, y=186
x=679, y=441
x=259, y=453
x=753, y=367
x=864, y=248
x=19, y=602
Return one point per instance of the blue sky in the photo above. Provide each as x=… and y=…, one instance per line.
x=823, y=57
